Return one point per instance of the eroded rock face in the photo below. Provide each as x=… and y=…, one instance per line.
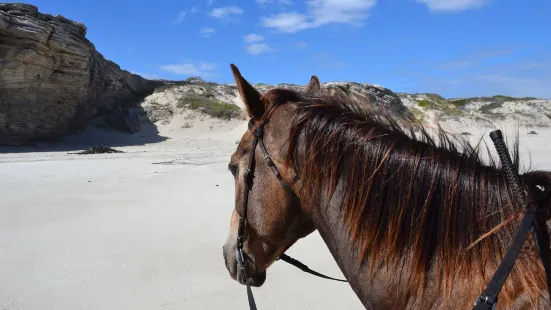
x=52, y=79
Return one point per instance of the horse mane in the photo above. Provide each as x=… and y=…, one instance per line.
x=410, y=201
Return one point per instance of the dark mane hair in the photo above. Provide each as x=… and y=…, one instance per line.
x=429, y=203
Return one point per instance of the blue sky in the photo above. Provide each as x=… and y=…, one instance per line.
x=451, y=47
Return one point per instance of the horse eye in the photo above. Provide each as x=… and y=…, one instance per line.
x=232, y=169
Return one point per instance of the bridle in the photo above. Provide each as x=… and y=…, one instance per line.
x=487, y=300
x=258, y=139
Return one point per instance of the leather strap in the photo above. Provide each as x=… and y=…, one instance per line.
x=252, y=303
x=488, y=299
x=274, y=168
x=305, y=268
x=286, y=258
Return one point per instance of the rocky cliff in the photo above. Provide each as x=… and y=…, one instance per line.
x=53, y=80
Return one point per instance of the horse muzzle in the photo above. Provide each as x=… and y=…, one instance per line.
x=242, y=269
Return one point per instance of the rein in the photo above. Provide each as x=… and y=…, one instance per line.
x=240, y=256
x=488, y=299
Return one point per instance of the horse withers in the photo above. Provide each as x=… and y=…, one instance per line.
x=413, y=221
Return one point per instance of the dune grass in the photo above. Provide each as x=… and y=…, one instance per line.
x=211, y=107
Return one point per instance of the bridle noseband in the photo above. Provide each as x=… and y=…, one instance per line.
x=258, y=139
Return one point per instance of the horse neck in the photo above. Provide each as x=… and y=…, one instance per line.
x=385, y=290
x=327, y=218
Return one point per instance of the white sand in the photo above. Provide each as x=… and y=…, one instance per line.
x=119, y=231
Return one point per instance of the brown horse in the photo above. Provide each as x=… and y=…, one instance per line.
x=412, y=221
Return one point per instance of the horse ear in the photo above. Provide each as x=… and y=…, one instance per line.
x=314, y=86
x=249, y=95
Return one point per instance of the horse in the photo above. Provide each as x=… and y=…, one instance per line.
x=413, y=220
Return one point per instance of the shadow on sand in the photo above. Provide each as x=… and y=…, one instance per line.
x=92, y=136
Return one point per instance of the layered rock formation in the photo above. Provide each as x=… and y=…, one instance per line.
x=52, y=79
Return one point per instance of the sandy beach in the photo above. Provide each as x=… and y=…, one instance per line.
x=144, y=229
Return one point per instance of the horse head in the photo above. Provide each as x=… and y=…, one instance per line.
x=271, y=214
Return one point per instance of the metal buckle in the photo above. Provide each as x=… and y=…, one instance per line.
x=240, y=257
x=486, y=300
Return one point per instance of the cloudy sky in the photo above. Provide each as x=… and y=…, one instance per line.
x=451, y=47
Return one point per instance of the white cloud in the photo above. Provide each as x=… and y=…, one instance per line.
x=258, y=48
x=320, y=13
x=340, y=11
x=287, y=22
x=202, y=69
x=227, y=11
x=207, y=31
x=254, y=45
x=253, y=37
x=452, y=5
x=180, y=17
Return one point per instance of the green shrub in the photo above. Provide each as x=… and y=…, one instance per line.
x=425, y=103
x=208, y=92
x=182, y=102
x=444, y=106
x=488, y=107
x=494, y=99
x=503, y=98
x=210, y=107
x=436, y=98
x=452, y=110
x=461, y=102
x=418, y=115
